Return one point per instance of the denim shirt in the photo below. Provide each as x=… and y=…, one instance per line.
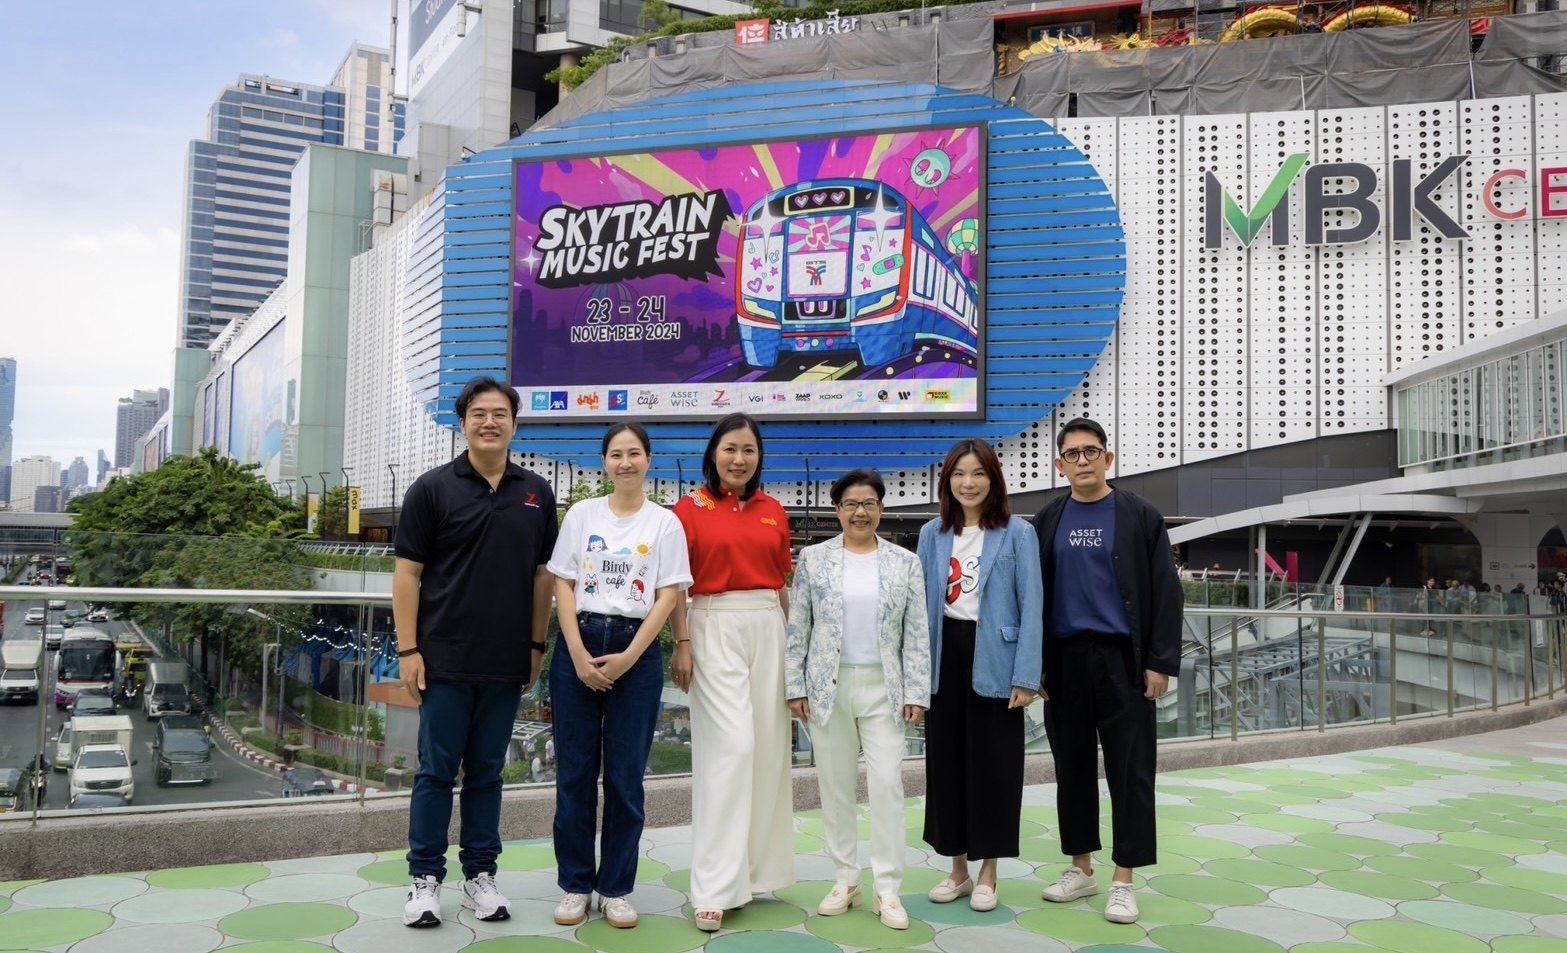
x=1010, y=636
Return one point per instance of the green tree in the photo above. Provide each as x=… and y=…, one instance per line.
x=332, y=516
x=204, y=522
x=658, y=14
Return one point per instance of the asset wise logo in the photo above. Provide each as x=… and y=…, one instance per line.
x=619, y=400
x=685, y=399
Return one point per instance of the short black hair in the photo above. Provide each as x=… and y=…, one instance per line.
x=636, y=429
x=1082, y=423
x=729, y=424
x=868, y=478
x=483, y=385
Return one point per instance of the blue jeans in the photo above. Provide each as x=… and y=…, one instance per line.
x=613, y=729
x=466, y=724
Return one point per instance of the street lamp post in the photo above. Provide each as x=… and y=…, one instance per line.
x=266, y=650
x=393, y=468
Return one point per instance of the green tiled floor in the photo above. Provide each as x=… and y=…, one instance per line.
x=1431, y=849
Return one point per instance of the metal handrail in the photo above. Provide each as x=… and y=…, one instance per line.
x=97, y=594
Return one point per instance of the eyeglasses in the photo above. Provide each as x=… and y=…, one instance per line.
x=1082, y=453
x=854, y=506
x=499, y=416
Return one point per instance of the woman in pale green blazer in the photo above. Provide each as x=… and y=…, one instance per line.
x=857, y=670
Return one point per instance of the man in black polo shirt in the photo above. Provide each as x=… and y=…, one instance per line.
x=1113, y=607
x=471, y=601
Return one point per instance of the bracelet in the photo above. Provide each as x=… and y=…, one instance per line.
x=404, y=653
x=539, y=646
x=681, y=641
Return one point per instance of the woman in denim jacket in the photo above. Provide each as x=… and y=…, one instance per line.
x=985, y=603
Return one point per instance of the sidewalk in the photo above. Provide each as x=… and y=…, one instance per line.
x=1452, y=847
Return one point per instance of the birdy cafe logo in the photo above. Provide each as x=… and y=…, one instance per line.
x=1352, y=185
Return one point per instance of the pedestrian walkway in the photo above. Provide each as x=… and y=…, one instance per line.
x=1452, y=847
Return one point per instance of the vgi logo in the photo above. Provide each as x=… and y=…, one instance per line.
x=754, y=398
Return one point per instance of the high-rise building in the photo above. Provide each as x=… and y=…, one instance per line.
x=48, y=499
x=135, y=416
x=27, y=475
x=76, y=475
x=237, y=181
x=7, y=413
x=103, y=467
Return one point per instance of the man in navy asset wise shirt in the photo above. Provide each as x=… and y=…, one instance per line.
x=1113, y=607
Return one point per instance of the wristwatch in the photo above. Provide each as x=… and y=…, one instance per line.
x=404, y=653
x=539, y=646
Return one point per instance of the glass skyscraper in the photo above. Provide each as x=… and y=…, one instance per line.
x=237, y=180
x=7, y=414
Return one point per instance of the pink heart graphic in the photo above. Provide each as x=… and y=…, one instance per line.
x=818, y=198
x=799, y=200
x=769, y=287
x=754, y=285
x=838, y=196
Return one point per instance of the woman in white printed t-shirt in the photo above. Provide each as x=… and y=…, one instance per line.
x=620, y=564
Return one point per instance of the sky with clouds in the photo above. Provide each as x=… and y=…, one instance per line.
x=102, y=99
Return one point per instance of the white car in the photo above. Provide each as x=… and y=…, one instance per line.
x=35, y=616
x=57, y=604
x=54, y=635
x=102, y=769
x=98, y=614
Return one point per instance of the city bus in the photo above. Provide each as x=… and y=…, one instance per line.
x=85, y=660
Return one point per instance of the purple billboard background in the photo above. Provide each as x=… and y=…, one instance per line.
x=573, y=317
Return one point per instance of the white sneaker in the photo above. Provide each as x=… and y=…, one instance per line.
x=423, y=908
x=572, y=910
x=1073, y=884
x=480, y=896
x=1122, y=907
x=619, y=912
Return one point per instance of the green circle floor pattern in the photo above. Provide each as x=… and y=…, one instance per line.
x=763, y=942
x=1205, y=939
x=287, y=921
x=1079, y=926
x=867, y=931
x=280, y=946
x=526, y=944
x=213, y=877
x=1401, y=936
x=36, y=929
x=654, y=934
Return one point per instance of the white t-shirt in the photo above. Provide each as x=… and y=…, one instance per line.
x=618, y=564
x=861, y=594
x=962, y=601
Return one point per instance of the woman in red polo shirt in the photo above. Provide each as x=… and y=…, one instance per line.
x=741, y=803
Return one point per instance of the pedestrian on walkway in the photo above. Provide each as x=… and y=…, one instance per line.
x=857, y=670
x=742, y=838
x=984, y=608
x=1113, y=606
x=471, y=603
x=620, y=566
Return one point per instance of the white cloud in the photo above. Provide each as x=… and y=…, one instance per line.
x=89, y=317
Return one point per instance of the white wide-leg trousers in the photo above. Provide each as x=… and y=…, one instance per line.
x=742, y=805
x=862, y=718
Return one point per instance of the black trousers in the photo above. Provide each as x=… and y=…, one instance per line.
x=1098, y=691
x=973, y=760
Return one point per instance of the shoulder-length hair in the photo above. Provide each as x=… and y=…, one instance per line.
x=728, y=425
x=996, y=511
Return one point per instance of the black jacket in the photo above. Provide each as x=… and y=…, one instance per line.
x=1145, y=569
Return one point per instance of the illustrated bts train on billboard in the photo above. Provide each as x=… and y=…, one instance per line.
x=847, y=264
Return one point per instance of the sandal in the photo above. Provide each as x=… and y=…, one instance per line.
x=709, y=921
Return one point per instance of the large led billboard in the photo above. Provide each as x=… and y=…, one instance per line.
x=822, y=277
x=255, y=432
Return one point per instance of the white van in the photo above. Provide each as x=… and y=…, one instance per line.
x=19, y=661
x=90, y=730
x=102, y=769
